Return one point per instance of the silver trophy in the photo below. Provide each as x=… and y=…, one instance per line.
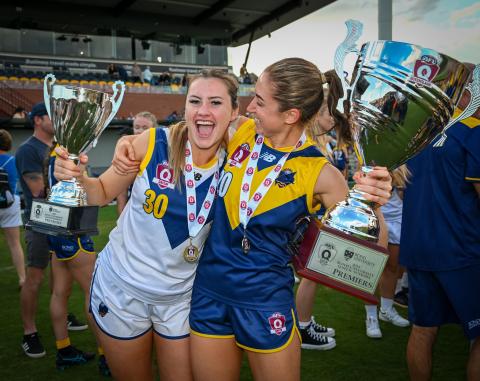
x=78, y=116
x=401, y=97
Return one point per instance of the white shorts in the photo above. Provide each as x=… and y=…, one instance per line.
x=394, y=230
x=124, y=317
x=11, y=217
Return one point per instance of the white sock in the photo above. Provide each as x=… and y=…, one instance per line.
x=405, y=280
x=371, y=311
x=398, y=287
x=386, y=304
x=303, y=324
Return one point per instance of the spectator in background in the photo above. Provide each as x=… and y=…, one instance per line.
x=440, y=243
x=19, y=113
x=29, y=161
x=113, y=71
x=141, y=122
x=136, y=73
x=10, y=217
x=172, y=118
x=147, y=75
x=122, y=73
x=185, y=80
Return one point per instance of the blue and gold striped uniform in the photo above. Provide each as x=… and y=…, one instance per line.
x=261, y=280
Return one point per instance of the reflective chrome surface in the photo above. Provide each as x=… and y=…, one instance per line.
x=79, y=116
x=401, y=97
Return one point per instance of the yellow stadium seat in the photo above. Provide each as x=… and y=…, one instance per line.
x=103, y=83
x=92, y=82
x=3, y=78
x=74, y=82
x=129, y=84
x=13, y=78
x=25, y=79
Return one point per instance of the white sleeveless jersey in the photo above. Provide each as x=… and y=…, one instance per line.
x=145, y=252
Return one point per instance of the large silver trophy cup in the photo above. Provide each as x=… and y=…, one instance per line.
x=401, y=96
x=78, y=116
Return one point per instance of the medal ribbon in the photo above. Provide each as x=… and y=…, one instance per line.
x=247, y=207
x=196, y=222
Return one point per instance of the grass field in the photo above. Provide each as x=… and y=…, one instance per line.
x=356, y=357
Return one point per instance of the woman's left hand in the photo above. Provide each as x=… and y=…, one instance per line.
x=376, y=184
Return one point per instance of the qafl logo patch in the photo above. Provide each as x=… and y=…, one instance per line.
x=285, y=177
x=277, y=323
x=102, y=309
x=239, y=155
x=425, y=70
x=164, y=176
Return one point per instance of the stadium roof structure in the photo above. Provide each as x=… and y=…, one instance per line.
x=220, y=22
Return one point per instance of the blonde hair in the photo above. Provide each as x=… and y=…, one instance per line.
x=400, y=176
x=148, y=115
x=179, y=132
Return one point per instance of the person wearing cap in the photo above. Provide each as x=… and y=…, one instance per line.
x=29, y=161
x=31, y=158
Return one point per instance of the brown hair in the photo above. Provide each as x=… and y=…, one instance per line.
x=335, y=92
x=147, y=115
x=178, y=132
x=297, y=83
x=5, y=140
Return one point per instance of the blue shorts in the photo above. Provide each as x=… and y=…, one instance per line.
x=65, y=248
x=253, y=330
x=443, y=297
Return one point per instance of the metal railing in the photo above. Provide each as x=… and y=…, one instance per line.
x=10, y=99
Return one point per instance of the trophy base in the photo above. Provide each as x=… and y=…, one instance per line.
x=60, y=220
x=340, y=261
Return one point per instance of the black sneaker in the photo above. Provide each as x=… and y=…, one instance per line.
x=401, y=298
x=322, y=330
x=70, y=356
x=73, y=324
x=103, y=366
x=314, y=340
x=32, y=346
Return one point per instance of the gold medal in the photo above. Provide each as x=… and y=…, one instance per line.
x=191, y=254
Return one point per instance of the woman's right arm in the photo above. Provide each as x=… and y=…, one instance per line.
x=110, y=184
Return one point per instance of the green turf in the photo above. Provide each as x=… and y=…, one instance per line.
x=356, y=357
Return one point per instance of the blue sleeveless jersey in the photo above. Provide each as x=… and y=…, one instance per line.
x=441, y=208
x=261, y=279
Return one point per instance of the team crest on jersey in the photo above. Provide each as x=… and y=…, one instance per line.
x=164, y=176
x=285, y=177
x=239, y=155
x=425, y=70
x=277, y=323
x=102, y=309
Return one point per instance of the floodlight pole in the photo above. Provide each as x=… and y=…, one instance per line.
x=248, y=50
x=384, y=19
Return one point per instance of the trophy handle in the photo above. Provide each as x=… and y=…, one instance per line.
x=47, y=91
x=474, y=89
x=354, y=31
x=115, y=104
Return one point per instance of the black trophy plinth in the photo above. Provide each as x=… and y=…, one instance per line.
x=61, y=220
